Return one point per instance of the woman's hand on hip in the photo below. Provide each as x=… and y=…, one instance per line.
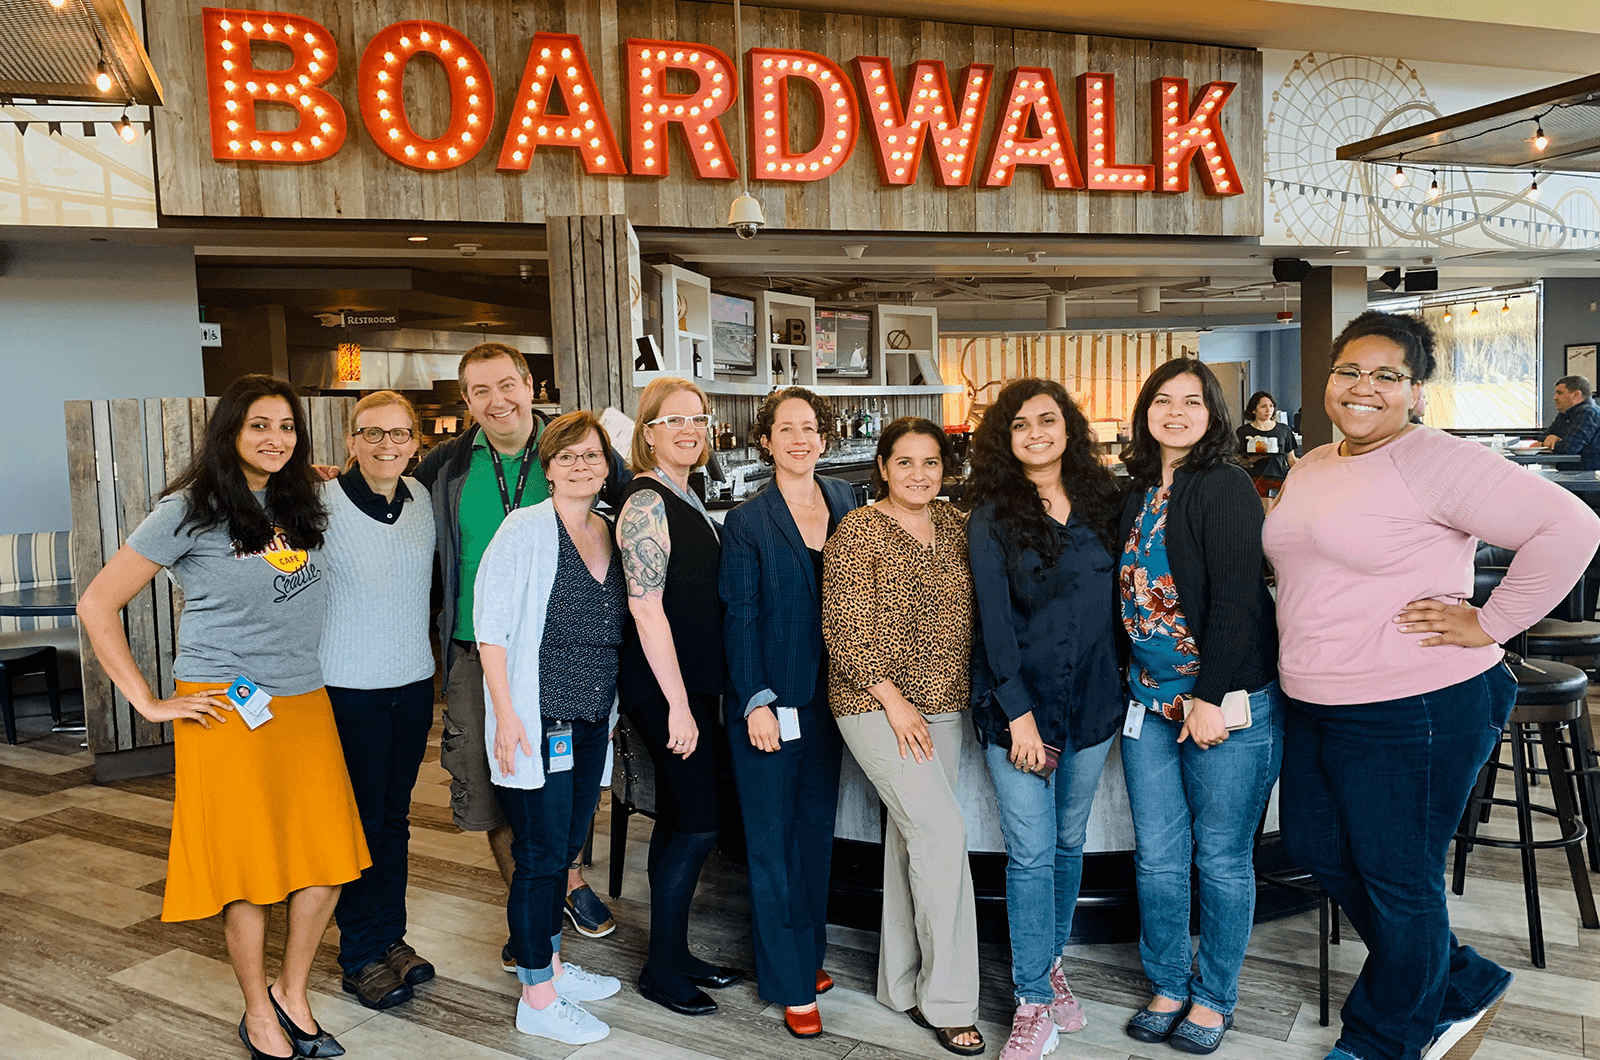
x=1203, y=724
x=910, y=729
x=1454, y=623
x=1027, y=746
x=509, y=735
x=763, y=726
x=196, y=706
x=683, y=735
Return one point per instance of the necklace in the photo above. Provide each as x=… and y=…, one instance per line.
x=900, y=515
x=809, y=506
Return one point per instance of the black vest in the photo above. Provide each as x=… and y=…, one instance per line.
x=694, y=610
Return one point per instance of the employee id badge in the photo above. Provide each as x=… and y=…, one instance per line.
x=1134, y=724
x=788, y=724
x=250, y=700
x=558, y=742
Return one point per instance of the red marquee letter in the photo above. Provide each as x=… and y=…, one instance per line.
x=935, y=116
x=557, y=60
x=651, y=108
x=1179, y=130
x=1097, y=131
x=1031, y=100
x=770, y=71
x=380, y=86
x=235, y=86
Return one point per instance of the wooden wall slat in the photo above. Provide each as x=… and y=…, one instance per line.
x=133, y=504
x=87, y=559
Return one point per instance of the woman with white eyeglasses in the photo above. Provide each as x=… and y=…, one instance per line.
x=673, y=675
x=378, y=665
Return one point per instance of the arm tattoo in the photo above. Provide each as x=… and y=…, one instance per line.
x=646, y=546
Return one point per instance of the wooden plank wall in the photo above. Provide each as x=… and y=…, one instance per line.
x=362, y=182
x=120, y=456
x=591, y=312
x=1102, y=370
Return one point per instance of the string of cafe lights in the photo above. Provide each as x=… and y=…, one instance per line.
x=1540, y=141
x=106, y=80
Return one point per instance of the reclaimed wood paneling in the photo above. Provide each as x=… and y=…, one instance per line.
x=121, y=454
x=361, y=182
x=591, y=315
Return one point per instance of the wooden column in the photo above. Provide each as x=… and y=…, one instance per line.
x=592, y=293
x=1330, y=297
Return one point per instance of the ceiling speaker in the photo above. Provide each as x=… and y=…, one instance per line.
x=1391, y=279
x=1290, y=270
x=1422, y=279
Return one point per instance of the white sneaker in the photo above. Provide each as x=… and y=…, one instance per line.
x=575, y=984
x=562, y=1021
x=1462, y=1038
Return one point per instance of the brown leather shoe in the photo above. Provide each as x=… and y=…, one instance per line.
x=407, y=965
x=377, y=986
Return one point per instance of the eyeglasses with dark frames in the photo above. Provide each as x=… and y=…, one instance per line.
x=374, y=435
x=592, y=457
x=1384, y=380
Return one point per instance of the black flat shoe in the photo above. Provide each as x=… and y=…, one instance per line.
x=257, y=1054
x=698, y=1005
x=319, y=1043
x=721, y=979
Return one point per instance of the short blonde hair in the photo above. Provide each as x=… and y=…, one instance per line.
x=568, y=430
x=642, y=457
x=376, y=400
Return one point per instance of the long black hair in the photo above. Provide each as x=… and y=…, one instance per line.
x=1142, y=455
x=998, y=478
x=897, y=430
x=216, y=489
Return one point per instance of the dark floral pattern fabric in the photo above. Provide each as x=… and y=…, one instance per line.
x=1166, y=660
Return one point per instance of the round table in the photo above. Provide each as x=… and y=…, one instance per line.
x=40, y=601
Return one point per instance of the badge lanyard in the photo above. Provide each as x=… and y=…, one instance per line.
x=506, y=499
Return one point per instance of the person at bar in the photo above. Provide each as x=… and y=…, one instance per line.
x=549, y=609
x=782, y=739
x=1046, y=691
x=1265, y=445
x=1204, y=732
x=263, y=809
x=1576, y=428
x=673, y=675
x=1395, y=685
x=378, y=664
x=897, y=620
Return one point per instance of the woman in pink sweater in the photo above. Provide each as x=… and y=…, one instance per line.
x=1396, y=688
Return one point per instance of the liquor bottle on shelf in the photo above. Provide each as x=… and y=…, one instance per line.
x=726, y=440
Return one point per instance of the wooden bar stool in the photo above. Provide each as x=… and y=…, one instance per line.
x=15, y=662
x=1550, y=695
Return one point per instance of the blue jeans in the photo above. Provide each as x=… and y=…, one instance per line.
x=384, y=732
x=789, y=798
x=1044, y=823
x=1200, y=806
x=549, y=826
x=1372, y=793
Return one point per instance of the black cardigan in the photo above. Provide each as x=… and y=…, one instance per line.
x=1214, y=546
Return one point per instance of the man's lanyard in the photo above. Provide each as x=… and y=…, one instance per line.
x=512, y=504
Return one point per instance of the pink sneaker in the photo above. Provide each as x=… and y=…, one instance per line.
x=1033, y=1035
x=1065, y=1011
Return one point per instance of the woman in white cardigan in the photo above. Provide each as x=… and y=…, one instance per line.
x=549, y=608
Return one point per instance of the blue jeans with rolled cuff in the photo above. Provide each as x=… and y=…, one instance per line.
x=549, y=826
x=384, y=733
x=1372, y=795
x=1200, y=807
x=1045, y=822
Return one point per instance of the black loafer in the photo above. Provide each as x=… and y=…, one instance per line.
x=377, y=986
x=698, y=1005
x=721, y=979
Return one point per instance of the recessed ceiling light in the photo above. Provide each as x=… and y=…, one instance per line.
x=416, y=239
x=1340, y=253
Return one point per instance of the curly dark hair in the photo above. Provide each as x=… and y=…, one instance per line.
x=1142, y=455
x=1412, y=334
x=218, y=494
x=1255, y=399
x=827, y=422
x=897, y=430
x=998, y=478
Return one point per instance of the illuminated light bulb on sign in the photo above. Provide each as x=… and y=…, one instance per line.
x=235, y=134
x=875, y=75
x=828, y=83
x=1058, y=164
x=1218, y=175
x=570, y=79
x=381, y=66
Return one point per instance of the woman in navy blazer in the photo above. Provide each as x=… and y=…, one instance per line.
x=782, y=737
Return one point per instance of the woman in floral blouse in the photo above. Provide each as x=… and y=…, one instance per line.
x=897, y=620
x=1204, y=733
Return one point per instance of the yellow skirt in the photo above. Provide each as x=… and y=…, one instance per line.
x=260, y=814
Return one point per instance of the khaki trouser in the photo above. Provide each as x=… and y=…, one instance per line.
x=928, y=946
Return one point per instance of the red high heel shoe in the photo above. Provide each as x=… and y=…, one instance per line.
x=824, y=981
x=803, y=1024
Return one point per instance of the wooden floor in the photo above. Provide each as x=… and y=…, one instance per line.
x=87, y=969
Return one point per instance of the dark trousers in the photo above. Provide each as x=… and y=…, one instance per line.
x=384, y=732
x=549, y=826
x=1371, y=795
x=789, y=798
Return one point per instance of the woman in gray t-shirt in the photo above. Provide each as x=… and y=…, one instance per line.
x=263, y=809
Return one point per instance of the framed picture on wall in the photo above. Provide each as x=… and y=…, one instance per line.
x=1581, y=361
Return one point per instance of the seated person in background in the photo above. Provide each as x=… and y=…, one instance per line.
x=1576, y=428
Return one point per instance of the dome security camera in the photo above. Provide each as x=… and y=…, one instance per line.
x=525, y=274
x=745, y=217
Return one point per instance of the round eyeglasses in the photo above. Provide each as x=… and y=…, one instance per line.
x=1383, y=380
x=374, y=435
x=677, y=423
x=567, y=458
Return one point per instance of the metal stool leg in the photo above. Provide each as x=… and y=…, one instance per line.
x=1567, y=813
x=52, y=684
x=619, y=841
x=1583, y=754
x=6, y=706
x=1488, y=790
x=1530, y=872
x=1476, y=812
x=1322, y=959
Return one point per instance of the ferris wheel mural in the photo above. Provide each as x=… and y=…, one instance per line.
x=1325, y=101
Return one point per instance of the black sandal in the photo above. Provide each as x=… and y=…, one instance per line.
x=947, y=1035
